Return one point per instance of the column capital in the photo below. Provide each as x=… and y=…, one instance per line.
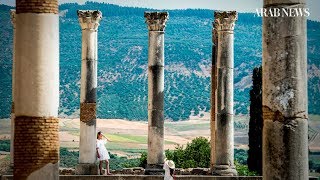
x=13, y=17
x=156, y=20
x=225, y=20
x=89, y=19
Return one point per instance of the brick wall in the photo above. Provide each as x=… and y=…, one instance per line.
x=37, y=6
x=36, y=143
x=88, y=113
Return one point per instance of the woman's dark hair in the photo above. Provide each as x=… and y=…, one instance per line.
x=171, y=172
x=98, y=134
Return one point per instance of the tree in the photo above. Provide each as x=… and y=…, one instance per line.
x=256, y=122
x=196, y=154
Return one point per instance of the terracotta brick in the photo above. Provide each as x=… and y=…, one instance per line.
x=88, y=113
x=36, y=144
x=37, y=6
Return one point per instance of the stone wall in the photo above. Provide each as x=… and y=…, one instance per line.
x=141, y=171
x=145, y=177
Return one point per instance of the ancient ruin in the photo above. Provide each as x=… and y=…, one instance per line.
x=284, y=94
x=89, y=22
x=35, y=94
x=36, y=90
x=156, y=22
x=223, y=100
x=213, y=97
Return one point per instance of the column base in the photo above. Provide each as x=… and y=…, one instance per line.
x=87, y=169
x=154, y=169
x=224, y=170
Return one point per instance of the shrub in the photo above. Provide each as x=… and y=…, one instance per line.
x=5, y=145
x=143, y=160
x=243, y=170
x=196, y=154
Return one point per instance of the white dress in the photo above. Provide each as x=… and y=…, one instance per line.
x=102, y=150
x=167, y=175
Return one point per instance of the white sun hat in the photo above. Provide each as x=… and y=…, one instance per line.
x=171, y=164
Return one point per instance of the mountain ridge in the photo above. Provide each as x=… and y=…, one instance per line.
x=122, y=62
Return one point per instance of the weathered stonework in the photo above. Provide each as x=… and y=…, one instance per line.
x=37, y=6
x=213, y=111
x=225, y=20
x=284, y=97
x=36, y=144
x=223, y=98
x=88, y=113
x=36, y=90
x=89, y=22
x=89, y=19
x=156, y=22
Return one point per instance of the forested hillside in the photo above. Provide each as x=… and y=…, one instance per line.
x=122, y=62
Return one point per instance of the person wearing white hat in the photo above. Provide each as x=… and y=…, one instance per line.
x=168, y=167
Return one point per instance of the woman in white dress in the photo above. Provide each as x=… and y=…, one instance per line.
x=102, y=152
x=168, y=167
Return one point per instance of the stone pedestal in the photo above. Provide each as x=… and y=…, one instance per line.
x=89, y=22
x=284, y=93
x=156, y=24
x=36, y=90
x=87, y=169
x=224, y=143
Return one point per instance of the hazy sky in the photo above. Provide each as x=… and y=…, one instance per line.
x=238, y=5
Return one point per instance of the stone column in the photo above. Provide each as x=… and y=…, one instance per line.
x=284, y=93
x=89, y=22
x=36, y=91
x=213, y=112
x=13, y=21
x=156, y=22
x=224, y=25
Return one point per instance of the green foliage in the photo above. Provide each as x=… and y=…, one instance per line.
x=143, y=160
x=243, y=170
x=70, y=158
x=240, y=125
x=122, y=73
x=196, y=154
x=241, y=156
x=117, y=162
x=314, y=161
x=5, y=145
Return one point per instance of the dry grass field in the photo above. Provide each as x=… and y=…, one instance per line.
x=129, y=138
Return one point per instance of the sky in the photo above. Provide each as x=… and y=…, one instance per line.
x=238, y=5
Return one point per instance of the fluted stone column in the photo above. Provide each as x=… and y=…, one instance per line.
x=36, y=91
x=156, y=22
x=224, y=25
x=284, y=94
x=213, y=112
x=13, y=21
x=89, y=22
